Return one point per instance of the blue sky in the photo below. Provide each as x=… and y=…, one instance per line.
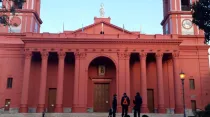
x=134, y=14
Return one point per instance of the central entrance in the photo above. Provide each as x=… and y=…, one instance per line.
x=101, y=84
x=101, y=97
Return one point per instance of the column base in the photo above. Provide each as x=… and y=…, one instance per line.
x=161, y=110
x=58, y=108
x=179, y=110
x=80, y=109
x=144, y=109
x=40, y=108
x=23, y=108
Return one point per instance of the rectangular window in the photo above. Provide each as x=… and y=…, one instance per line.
x=193, y=105
x=9, y=82
x=7, y=104
x=192, y=84
x=185, y=5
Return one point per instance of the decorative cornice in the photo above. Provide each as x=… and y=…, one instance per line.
x=109, y=41
x=26, y=11
x=175, y=13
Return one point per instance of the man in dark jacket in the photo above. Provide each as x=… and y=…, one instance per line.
x=125, y=103
x=138, y=103
x=114, y=105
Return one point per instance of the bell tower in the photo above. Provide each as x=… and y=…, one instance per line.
x=26, y=18
x=178, y=19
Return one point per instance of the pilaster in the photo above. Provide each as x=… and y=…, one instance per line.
x=80, y=83
x=123, y=81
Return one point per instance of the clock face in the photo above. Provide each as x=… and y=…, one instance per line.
x=15, y=21
x=187, y=24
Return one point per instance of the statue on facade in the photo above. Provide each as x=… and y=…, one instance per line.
x=102, y=10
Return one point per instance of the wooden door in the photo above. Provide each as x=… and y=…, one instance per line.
x=101, y=98
x=7, y=104
x=193, y=105
x=150, y=100
x=51, y=99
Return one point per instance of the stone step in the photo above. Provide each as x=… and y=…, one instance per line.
x=83, y=115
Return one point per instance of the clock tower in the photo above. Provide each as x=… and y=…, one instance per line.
x=178, y=18
x=26, y=18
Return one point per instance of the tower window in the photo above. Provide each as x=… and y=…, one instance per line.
x=18, y=4
x=185, y=5
x=9, y=82
x=192, y=84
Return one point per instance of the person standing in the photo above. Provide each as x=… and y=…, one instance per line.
x=114, y=105
x=137, y=102
x=125, y=103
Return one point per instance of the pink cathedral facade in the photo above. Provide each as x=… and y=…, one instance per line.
x=80, y=70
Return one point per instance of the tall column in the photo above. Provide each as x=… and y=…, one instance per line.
x=143, y=57
x=80, y=83
x=127, y=73
x=177, y=84
x=42, y=88
x=59, y=94
x=24, y=95
x=161, y=106
x=123, y=80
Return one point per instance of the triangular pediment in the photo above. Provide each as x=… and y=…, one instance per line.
x=106, y=27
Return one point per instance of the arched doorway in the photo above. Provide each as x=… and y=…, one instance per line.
x=101, y=83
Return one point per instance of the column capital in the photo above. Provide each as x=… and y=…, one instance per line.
x=143, y=55
x=123, y=55
x=175, y=54
x=28, y=54
x=80, y=55
x=159, y=54
x=44, y=54
x=61, y=54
